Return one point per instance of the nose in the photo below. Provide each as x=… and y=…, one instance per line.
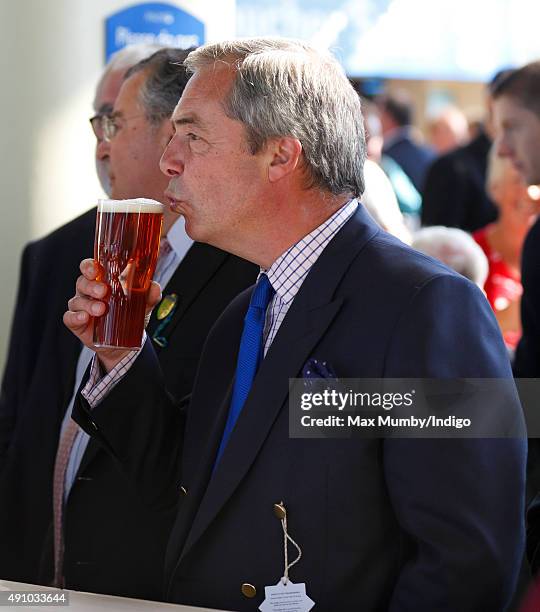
x=103, y=149
x=502, y=147
x=171, y=163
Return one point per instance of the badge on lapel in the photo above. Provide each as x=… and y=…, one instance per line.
x=164, y=313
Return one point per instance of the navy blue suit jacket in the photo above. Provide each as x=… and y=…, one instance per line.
x=392, y=524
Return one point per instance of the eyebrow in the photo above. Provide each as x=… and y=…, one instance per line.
x=189, y=120
x=105, y=109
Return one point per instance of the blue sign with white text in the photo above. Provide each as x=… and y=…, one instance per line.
x=152, y=23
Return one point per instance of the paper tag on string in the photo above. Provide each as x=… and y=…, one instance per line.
x=286, y=597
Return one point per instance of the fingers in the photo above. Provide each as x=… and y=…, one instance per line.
x=77, y=322
x=154, y=296
x=89, y=268
x=80, y=303
x=90, y=299
x=85, y=304
x=90, y=288
x=79, y=316
x=87, y=285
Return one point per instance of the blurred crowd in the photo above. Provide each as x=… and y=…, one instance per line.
x=450, y=195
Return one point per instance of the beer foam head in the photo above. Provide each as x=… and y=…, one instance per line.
x=138, y=205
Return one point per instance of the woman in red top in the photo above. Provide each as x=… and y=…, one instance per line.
x=502, y=242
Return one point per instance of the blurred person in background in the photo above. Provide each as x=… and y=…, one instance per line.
x=31, y=384
x=517, y=121
x=106, y=92
x=454, y=194
x=455, y=248
x=400, y=141
x=380, y=200
x=502, y=242
x=476, y=126
x=516, y=113
x=448, y=129
x=408, y=197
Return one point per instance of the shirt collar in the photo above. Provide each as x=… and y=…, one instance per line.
x=290, y=269
x=178, y=239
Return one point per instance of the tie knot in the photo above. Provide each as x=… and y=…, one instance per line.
x=262, y=294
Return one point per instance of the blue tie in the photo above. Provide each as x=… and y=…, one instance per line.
x=249, y=356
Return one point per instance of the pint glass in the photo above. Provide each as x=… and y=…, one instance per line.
x=126, y=249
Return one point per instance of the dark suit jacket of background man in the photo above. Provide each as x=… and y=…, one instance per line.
x=454, y=193
x=413, y=158
x=527, y=365
x=104, y=518
x=393, y=524
x=527, y=360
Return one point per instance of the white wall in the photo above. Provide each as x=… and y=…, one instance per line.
x=52, y=55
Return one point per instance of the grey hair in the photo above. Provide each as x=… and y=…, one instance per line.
x=455, y=248
x=122, y=60
x=131, y=55
x=285, y=87
x=164, y=84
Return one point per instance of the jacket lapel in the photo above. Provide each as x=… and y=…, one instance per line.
x=190, y=277
x=309, y=317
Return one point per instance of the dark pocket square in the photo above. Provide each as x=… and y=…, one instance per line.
x=317, y=368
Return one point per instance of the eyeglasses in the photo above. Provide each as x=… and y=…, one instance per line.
x=105, y=125
x=111, y=127
x=97, y=125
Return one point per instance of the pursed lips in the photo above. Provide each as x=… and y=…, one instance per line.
x=174, y=203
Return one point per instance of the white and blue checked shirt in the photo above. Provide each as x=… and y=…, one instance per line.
x=286, y=275
x=179, y=244
x=289, y=271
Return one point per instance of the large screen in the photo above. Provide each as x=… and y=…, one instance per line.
x=466, y=40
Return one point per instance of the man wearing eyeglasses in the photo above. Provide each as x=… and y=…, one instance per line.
x=101, y=516
x=40, y=366
x=106, y=93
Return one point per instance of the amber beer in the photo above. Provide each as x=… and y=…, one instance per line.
x=126, y=248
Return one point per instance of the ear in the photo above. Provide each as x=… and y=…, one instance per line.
x=285, y=157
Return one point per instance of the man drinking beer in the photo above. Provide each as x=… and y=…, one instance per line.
x=267, y=161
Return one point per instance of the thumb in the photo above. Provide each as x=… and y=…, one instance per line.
x=154, y=296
